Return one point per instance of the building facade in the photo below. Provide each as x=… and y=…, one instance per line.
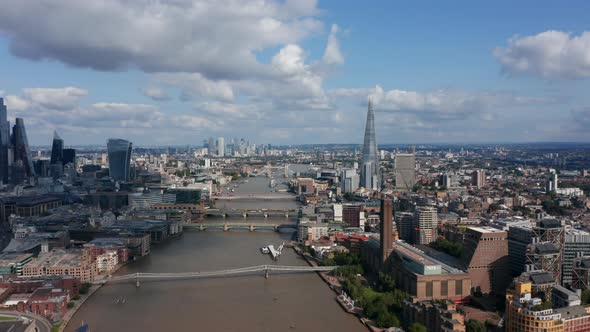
x=119, y=151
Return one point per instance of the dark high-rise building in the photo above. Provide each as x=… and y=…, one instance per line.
x=57, y=148
x=69, y=156
x=119, y=151
x=386, y=228
x=4, y=142
x=370, y=162
x=23, y=162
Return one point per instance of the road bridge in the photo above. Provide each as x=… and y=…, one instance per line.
x=239, y=226
x=138, y=277
x=222, y=213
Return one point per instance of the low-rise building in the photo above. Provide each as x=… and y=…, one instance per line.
x=436, y=316
x=77, y=263
x=12, y=263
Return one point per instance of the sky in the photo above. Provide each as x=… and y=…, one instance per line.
x=174, y=72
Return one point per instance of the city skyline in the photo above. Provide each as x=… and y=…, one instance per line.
x=298, y=72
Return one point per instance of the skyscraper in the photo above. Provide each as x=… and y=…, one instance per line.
x=119, y=151
x=220, y=147
x=57, y=148
x=23, y=162
x=4, y=142
x=479, y=178
x=405, y=171
x=425, y=224
x=370, y=163
x=69, y=156
x=386, y=237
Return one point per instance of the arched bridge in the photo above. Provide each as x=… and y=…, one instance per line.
x=137, y=277
x=222, y=213
x=239, y=226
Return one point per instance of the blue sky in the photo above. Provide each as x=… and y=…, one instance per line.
x=175, y=72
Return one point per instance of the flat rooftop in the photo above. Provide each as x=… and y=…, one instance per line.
x=485, y=229
x=8, y=259
x=57, y=258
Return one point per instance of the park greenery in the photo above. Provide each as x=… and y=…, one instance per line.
x=381, y=303
x=452, y=248
x=473, y=325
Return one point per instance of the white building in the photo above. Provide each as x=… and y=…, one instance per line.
x=337, y=209
x=220, y=146
x=107, y=262
x=311, y=231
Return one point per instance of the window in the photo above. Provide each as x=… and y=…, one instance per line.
x=444, y=288
x=429, y=289
x=458, y=287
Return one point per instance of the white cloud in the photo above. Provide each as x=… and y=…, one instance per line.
x=196, y=85
x=217, y=38
x=60, y=98
x=550, y=54
x=16, y=103
x=156, y=94
x=332, y=54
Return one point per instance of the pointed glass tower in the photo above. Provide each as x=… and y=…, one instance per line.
x=57, y=149
x=370, y=163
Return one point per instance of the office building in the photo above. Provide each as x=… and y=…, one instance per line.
x=581, y=273
x=576, y=244
x=386, y=232
x=425, y=225
x=23, y=162
x=486, y=258
x=352, y=215
x=349, y=180
x=4, y=144
x=69, y=157
x=220, y=147
x=450, y=180
x=57, y=148
x=119, y=151
x=405, y=226
x=478, y=178
x=551, y=183
x=405, y=171
x=370, y=177
x=59, y=262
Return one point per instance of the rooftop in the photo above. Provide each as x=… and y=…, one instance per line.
x=485, y=229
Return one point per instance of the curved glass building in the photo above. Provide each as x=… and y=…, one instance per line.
x=119, y=151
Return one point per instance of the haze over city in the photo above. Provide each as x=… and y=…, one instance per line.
x=291, y=72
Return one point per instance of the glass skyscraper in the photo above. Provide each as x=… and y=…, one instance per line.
x=23, y=162
x=119, y=151
x=4, y=142
x=370, y=162
x=57, y=149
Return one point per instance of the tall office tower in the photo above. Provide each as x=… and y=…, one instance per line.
x=69, y=156
x=405, y=225
x=211, y=147
x=4, y=142
x=479, y=178
x=370, y=163
x=119, y=151
x=551, y=183
x=576, y=244
x=386, y=226
x=405, y=171
x=425, y=224
x=349, y=180
x=57, y=149
x=220, y=147
x=22, y=153
x=450, y=180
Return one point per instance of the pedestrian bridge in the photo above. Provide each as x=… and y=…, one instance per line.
x=137, y=277
x=239, y=226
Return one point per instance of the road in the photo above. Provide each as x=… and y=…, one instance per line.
x=43, y=325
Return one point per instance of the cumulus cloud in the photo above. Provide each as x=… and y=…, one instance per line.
x=57, y=98
x=195, y=85
x=332, y=54
x=217, y=38
x=550, y=54
x=156, y=94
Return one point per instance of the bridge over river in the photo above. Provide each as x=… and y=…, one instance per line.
x=234, y=213
x=228, y=226
x=138, y=277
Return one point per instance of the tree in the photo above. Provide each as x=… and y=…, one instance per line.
x=475, y=326
x=417, y=327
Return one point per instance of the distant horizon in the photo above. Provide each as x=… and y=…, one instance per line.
x=159, y=73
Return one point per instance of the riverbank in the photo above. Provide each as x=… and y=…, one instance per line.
x=336, y=286
x=83, y=298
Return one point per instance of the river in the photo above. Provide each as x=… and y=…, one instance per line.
x=284, y=302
